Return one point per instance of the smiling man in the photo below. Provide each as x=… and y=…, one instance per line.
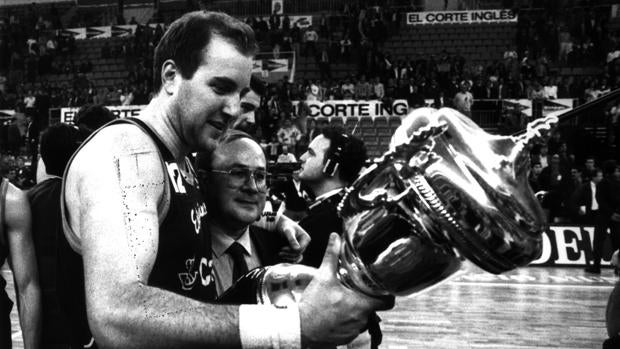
x=132, y=208
x=236, y=190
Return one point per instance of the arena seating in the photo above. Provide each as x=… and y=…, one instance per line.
x=477, y=43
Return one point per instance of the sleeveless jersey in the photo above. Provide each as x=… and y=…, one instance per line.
x=183, y=262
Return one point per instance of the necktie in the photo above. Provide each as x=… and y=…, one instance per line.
x=240, y=267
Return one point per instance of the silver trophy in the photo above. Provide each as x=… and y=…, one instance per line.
x=445, y=191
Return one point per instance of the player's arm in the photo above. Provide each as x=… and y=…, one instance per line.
x=24, y=265
x=120, y=182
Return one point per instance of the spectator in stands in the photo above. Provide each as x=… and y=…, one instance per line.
x=378, y=89
x=310, y=38
x=29, y=103
x=345, y=47
x=348, y=89
x=126, y=97
x=463, y=100
x=534, y=177
x=273, y=149
x=323, y=61
x=363, y=89
x=289, y=135
x=550, y=89
x=286, y=157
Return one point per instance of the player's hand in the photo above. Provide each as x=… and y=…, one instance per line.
x=296, y=237
x=332, y=314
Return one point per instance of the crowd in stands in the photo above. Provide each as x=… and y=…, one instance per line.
x=529, y=68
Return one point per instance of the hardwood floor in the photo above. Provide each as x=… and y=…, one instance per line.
x=527, y=308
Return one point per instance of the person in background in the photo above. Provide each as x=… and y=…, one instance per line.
x=58, y=143
x=286, y=156
x=17, y=246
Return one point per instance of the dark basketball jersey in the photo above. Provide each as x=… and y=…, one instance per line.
x=183, y=262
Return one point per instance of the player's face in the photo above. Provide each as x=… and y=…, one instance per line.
x=237, y=201
x=210, y=100
x=250, y=101
x=313, y=160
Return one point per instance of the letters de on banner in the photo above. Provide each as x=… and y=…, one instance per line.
x=568, y=245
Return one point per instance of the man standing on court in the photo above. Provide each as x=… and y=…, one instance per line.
x=332, y=162
x=134, y=210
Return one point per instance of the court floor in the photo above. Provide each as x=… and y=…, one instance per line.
x=532, y=307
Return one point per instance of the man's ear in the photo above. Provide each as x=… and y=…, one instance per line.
x=170, y=76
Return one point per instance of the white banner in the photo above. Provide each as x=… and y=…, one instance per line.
x=121, y=111
x=346, y=108
x=302, y=21
x=277, y=7
x=103, y=32
x=549, y=105
x=461, y=17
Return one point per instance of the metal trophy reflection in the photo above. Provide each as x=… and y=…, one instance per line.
x=445, y=191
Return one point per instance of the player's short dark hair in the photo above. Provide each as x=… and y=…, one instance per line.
x=188, y=36
x=257, y=85
x=58, y=143
x=91, y=117
x=353, y=154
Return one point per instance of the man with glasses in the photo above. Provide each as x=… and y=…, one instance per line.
x=235, y=188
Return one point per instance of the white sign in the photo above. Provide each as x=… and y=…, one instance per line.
x=461, y=17
x=346, y=108
x=103, y=32
x=277, y=7
x=122, y=111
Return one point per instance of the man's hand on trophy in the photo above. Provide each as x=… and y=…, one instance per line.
x=331, y=313
x=296, y=237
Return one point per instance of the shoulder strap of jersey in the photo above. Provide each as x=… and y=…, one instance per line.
x=165, y=153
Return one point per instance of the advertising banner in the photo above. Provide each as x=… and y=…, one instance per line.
x=461, y=17
x=103, y=31
x=121, y=111
x=346, y=108
x=570, y=245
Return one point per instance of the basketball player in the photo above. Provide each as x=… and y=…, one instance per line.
x=16, y=244
x=134, y=212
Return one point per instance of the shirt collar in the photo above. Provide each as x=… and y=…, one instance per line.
x=325, y=196
x=220, y=242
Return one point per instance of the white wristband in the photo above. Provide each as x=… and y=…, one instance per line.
x=265, y=326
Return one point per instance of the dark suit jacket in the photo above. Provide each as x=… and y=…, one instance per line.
x=608, y=197
x=321, y=221
x=267, y=244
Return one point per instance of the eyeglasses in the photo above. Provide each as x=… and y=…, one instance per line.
x=239, y=176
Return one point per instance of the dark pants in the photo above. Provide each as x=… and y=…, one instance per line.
x=600, y=233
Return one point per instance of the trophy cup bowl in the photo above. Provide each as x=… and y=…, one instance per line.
x=445, y=191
